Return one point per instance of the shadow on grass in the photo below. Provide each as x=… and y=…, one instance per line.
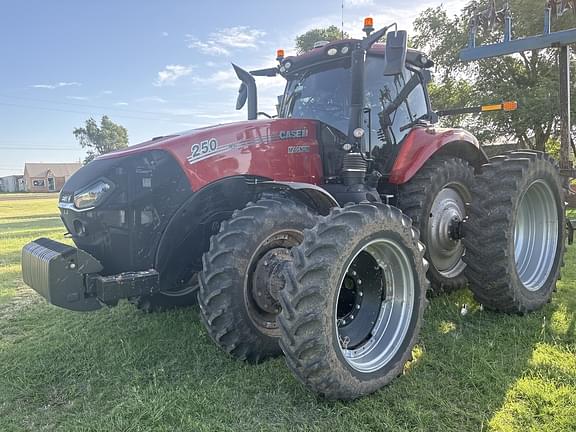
x=31, y=217
x=19, y=238
x=31, y=224
x=118, y=369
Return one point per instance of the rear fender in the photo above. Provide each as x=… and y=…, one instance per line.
x=421, y=144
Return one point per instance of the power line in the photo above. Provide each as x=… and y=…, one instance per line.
x=83, y=105
x=86, y=113
x=42, y=148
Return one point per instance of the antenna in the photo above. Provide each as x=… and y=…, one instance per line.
x=342, y=20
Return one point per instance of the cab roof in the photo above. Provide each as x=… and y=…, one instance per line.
x=293, y=64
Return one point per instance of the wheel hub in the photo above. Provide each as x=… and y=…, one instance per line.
x=264, y=278
x=382, y=272
x=359, y=301
x=445, y=248
x=268, y=279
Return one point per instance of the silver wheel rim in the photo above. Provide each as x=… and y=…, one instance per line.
x=536, y=235
x=391, y=326
x=446, y=253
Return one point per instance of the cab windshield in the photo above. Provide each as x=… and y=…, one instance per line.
x=321, y=94
x=324, y=94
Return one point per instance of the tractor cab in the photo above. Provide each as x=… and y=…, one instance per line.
x=372, y=93
x=320, y=85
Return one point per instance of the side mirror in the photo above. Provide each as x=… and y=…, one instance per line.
x=247, y=92
x=242, y=96
x=279, y=105
x=396, y=47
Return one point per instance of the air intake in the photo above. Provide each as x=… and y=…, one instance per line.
x=354, y=169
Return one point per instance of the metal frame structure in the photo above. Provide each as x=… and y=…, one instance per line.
x=548, y=39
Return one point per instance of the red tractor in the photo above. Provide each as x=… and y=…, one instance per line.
x=314, y=233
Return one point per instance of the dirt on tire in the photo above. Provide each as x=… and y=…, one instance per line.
x=310, y=299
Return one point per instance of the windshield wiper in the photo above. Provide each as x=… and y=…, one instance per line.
x=290, y=98
x=414, y=122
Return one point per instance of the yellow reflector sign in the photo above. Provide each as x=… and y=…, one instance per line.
x=506, y=106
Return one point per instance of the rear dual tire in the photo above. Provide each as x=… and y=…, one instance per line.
x=515, y=238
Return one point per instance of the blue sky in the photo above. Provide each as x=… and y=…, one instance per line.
x=155, y=67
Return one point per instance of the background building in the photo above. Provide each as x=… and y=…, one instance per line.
x=48, y=177
x=13, y=183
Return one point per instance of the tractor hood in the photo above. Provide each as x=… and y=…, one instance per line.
x=282, y=149
x=117, y=206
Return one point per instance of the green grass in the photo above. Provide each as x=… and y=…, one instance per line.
x=121, y=370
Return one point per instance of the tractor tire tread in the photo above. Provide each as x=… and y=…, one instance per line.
x=305, y=300
x=489, y=233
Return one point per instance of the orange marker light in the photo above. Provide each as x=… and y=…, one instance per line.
x=510, y=106
x=280, y=54
x=368, y=22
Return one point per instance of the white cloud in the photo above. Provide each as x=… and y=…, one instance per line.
x=152, y=99
x=223, y=41
x=358, y=3
x=78, y=98
x=164, y=34
x=222, y=79
x=107, y=92
x=121, y=104
x=171, y=74
x=57, y=85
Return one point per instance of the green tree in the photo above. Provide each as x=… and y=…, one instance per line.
x=531, y=78
x=305, y=42
x=99, y=140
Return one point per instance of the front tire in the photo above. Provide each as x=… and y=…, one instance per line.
x=354, y=299
x=242, y=274
x=516, y=236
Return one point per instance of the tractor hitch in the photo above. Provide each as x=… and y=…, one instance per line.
x=70, y=278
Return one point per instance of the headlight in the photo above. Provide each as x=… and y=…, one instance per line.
x=91, y=195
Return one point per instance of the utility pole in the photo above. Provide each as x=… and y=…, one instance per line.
x=565, y=135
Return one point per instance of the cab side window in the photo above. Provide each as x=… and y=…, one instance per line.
x=387, y=94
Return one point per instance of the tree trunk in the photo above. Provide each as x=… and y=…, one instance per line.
x=540, y=138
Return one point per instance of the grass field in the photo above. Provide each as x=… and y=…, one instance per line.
x=121, y=370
